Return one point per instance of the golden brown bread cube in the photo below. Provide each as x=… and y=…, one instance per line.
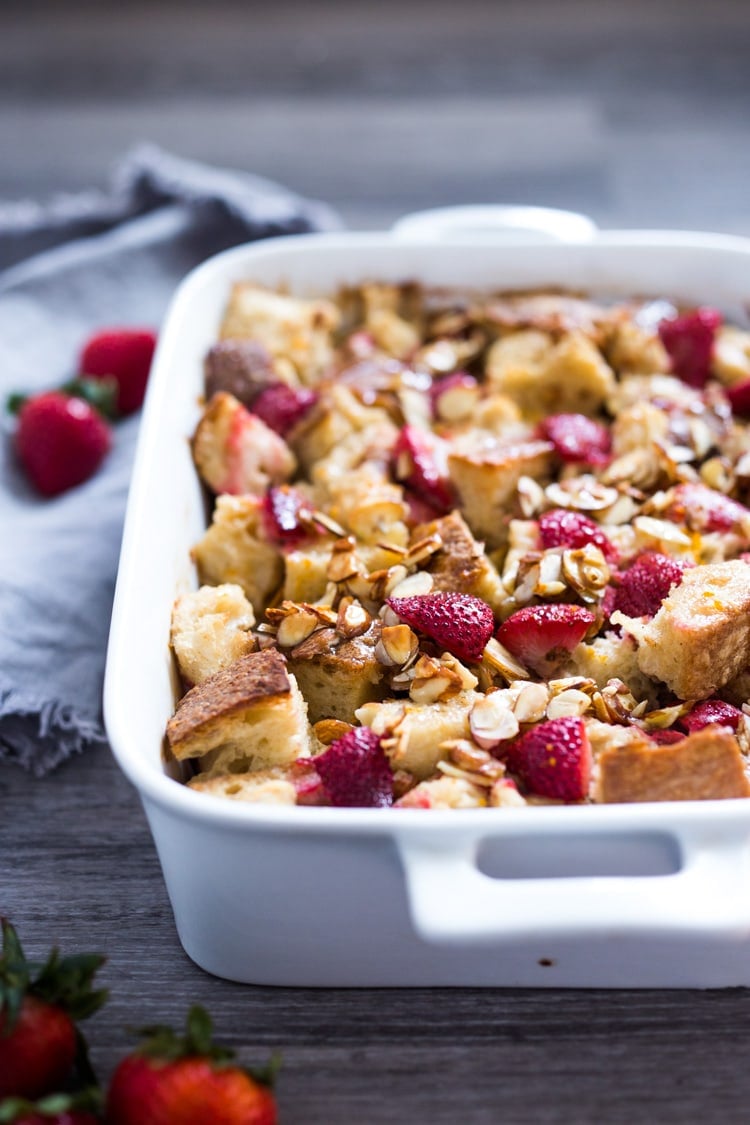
x=234, y=550
x=210, y=630
x=546, y=377
x=236, y=452
x=700, y=638
x=248, y=716
x=413, y=732
x=461, y=564
x=336, y=681
x=294, y=330
x=705, y=766
x=487, y=481
x=270, y=787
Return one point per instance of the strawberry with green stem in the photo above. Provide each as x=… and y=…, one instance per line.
x=40, y=1044
x=53, y=1109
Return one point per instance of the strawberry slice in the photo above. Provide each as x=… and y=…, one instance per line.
x=739, y=397
x=542, y=636
x=578, y=438
x=689, y=341
x=703, y=509
x=419, y=462
x=665, y=737
x=286, y=516
x=460, y=623
x=355, y=771
x=645, y=585
x=711, y=711
x=553, y=759
x=561, y=528
x=282, y=407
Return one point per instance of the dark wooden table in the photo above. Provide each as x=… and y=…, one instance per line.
x=636, y=113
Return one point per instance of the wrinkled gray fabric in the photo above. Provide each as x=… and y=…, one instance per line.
x=109, y=258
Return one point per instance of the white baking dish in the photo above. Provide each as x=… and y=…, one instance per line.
x=620, y=896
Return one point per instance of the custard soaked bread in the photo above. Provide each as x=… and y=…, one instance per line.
x=494, y=547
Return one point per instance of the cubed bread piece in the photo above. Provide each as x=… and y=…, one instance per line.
x=250, y=715
x=292, y=329
x=700, y=638
x=336, y=681
x=614, y=656
x=234, y=550
x=631, y=348
x=234, y=451
x=544, y=377
x=369, y=505
x=551, y=312
x=637, y=427
x=210, y=630
x=240, y=367
x=461, y=564
x=730, y=360
x=665, y=390
x=413, y=732
x=705, y=766
x=337, y=414
x=267, y=787
x=486, y=483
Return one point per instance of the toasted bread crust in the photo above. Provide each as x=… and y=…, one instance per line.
x=251, y=679
x=707, y=765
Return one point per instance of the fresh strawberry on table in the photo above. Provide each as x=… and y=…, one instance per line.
x=187, y=1080
x=541, y=636
x=61, y=440
x=39, y=1006
x=553, y=759
x=125, y=354
x=459, y=623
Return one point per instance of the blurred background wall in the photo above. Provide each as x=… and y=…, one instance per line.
x=633, y=110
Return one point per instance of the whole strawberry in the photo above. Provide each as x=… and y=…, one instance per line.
x=186, y=1080
x=460, y=623
x=39, y=1043
x=54, y=1109
x=542, y=636
x=61, y=441
x=126, y=355
x=553, y=759
x=645, y=585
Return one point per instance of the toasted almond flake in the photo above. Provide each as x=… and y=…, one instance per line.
x=499, y=659
x=665, y=717
x=414, y=585
x=398, y=646
x=329, y=524
x=570, y=702
x=717, y=474
x=323, y=640
x=468, y=680
x=661, y=531
x=450, y=770
x=585, y=570
x=468, y=756
x=329, y=730
x=572, y=683
x=530, y=497
x=353, y=619
x=342, y=565
x=492, y=720
x=390, y=580
x=425, y=691
x=388, y=617
x=583, y=494
x=622, y=511
x=549, y=584
x=296, y=627
x=531, y=702
x=423, y=549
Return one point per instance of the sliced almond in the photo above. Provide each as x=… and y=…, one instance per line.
x=492, y=720
x=500, y=660
x=582, y=494
x=296, y=627
x=398, y=646
x=414, y=585
x=570, y=702
x=353, y=619
x=330, y=730
x=531, y=702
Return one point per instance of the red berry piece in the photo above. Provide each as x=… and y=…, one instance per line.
x=542, y=636
x=689, y=341
x=126, y=355
x=419, y=462
x=665, y=737
x=645, y=585
x=578, y=438
x=703, y=509
x=561, y=528
x=739, y=397
x=356, y=772
x=286, y=516
x=711, y=711
x=460, y=623
x=282, y=407
x=553, y=759
x=61, y=441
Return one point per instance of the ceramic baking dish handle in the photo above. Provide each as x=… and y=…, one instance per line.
x=452, y=900
x=515, y=223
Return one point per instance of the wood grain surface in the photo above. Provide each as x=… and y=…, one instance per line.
x=636, y=113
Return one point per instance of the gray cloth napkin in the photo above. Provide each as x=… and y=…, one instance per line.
x=99, y=259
